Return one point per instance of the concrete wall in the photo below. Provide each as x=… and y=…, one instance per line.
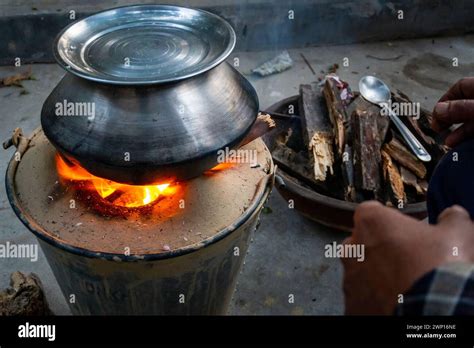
x=27, y=28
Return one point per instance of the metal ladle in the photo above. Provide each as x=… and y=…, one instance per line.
x=377, y=92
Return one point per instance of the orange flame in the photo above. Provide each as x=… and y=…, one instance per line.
x=218, y=168
x=131, y=196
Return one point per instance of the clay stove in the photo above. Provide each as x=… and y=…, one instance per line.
x=180, y=254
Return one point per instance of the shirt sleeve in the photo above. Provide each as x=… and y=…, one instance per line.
x=447, y=290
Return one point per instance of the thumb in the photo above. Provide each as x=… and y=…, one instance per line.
x=454, y=216
x=455, y=229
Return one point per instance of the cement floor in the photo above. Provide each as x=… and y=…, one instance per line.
x=286, y=256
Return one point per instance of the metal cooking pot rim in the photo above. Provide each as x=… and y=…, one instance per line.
x=213, y=39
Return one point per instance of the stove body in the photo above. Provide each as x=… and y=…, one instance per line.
x=173, y=260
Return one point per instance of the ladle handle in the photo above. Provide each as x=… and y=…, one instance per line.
x=411, y=140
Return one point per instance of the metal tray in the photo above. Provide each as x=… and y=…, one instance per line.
x=144, y=44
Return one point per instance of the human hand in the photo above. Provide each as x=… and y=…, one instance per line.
x=398, y=251
x=456, y=106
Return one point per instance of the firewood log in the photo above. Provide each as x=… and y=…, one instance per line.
x=410, y=179
x=404, y=157
x=421, y=128
x=347, y=167
x=393, y=182
x=366, y=146
x=337, y=113
x=284, y=136
x=263, y=124
x=15, y=80
x=435, y=146
x=383, y=122
x=423, y=185
x=411, y=121
x=297, y=165
x=317, y=131
x=414, y=127
x=25, y=297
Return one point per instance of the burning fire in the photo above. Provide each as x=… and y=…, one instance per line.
x=129, y=196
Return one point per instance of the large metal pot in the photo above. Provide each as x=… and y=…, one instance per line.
x=146, y=134
x=141, y=133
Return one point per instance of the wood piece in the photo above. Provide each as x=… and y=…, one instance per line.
x=24, y=297
x=421, y=127
x=15, y=80
x=263, y=124
x=275, y=114
x=393, y=182
x=321, y=147
x=414, y=127
x=423, y=185
x=297, y=165
x=347, y=167
x=410, y=179
x=284, y=136
x=436, y=149
x=317, y=131
x=337, y=113
x=366, y=146
x=383, y=122
x=426, y=120
x=411, y=121
x=17, y=134
x=404, y=157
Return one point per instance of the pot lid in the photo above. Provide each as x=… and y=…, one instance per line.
x=144, y=44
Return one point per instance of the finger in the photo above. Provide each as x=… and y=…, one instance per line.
x=363, y=213
x=367, y=210
x=454, y=215
x=448, y=113
x=463, y=89
x=348, y=240
x=371, y=218
x=437, y=123
x=466, y=131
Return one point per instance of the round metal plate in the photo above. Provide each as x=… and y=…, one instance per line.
x=144, y=44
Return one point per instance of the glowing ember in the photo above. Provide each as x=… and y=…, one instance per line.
x=130, y=196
